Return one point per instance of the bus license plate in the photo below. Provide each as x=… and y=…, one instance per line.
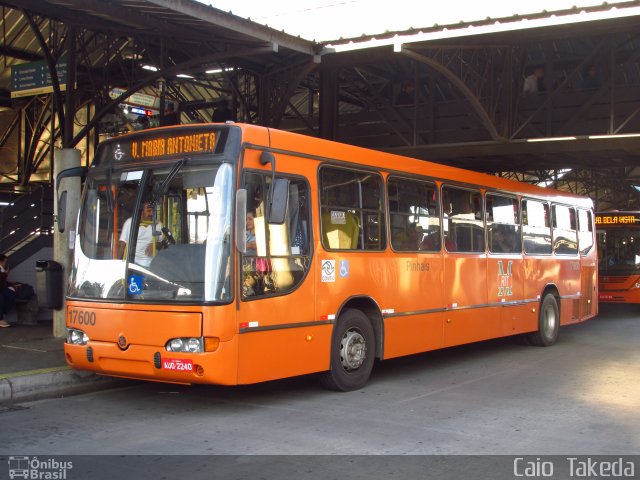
x=178, y=364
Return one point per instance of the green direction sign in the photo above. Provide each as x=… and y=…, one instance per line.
x=34, y=78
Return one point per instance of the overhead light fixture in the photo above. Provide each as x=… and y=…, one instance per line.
x=550, y=139
x=219, y=70
x=621, y=135
x=150, y=68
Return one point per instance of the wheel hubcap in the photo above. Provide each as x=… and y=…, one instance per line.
x=550, y=320
x=353, y=350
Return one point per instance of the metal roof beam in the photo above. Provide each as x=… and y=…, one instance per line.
x=239, y=25
x=12, y=52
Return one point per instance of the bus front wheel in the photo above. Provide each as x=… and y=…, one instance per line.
x=548, y=323
x=352, y=352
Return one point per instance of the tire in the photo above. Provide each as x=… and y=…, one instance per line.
x=352, y=353
x=548, y=323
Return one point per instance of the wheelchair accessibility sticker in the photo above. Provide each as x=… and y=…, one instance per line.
x=134, y=284
x=344, y=268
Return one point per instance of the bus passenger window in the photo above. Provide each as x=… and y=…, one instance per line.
x=352, y=215
x=414, y=215
x=565, y=240
x=503, y=224
x=585, y=231
x=463, y=220
x=536, y=231
x=277, y=256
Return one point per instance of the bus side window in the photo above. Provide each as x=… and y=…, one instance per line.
x=413, y=215
x=463, y=224
x=277, y=255
x=536, y=231
x=351, y=210
x=503, y=224
x=565, y=241
x=585, y=231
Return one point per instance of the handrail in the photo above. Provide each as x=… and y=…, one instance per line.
x=25, y=220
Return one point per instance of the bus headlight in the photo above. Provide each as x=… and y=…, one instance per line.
x=187, y=345
x=77, y=337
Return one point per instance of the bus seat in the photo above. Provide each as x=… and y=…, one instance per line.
x=339, y=231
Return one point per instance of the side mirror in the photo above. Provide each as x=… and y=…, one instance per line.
x=62, y=211
x=279, y=201
x=62, y=199
x=241, y=220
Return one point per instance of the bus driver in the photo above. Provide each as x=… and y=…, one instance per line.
x=147, y=243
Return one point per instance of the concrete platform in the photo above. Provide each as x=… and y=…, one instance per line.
x=32, y=366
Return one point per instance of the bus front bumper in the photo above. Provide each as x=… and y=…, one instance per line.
x=142, y=362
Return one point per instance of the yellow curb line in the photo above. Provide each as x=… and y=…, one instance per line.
x=33, y=372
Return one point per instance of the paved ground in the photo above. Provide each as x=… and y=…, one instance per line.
x=579, y=397
x=29, y=347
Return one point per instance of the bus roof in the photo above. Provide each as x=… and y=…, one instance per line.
x=394, y=163
x=389, y=162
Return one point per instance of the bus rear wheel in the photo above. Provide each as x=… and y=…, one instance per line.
x=548, y=323
x=352, y=353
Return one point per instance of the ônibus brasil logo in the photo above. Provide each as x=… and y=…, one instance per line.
x=38, y=469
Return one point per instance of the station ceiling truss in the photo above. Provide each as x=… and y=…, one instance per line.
x=456, y=100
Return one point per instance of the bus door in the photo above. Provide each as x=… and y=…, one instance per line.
x=465, y=268
x=588, y=264
x=278, y=334
x=505, y=274
x=565, y=248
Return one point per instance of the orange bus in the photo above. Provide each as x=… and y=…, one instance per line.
x=618, y=237
x=234, y=254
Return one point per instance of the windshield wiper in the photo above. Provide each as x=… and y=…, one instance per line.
x=160, y=190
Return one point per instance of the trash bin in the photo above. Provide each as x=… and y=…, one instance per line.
x=49, y=284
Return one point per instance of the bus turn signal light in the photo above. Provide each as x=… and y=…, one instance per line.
x=211, y=344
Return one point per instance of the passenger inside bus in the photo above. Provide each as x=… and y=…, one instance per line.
x=464, y=231
x=147, y=242
x=251, y=234
x=503, y=239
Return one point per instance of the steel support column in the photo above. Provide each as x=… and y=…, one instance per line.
x=329, y=104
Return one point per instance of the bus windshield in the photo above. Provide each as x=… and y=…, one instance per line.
x=619, y=250
x=160, y=232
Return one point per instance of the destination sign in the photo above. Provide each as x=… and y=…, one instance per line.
x=620, y=219
x=160, y=144
x=173, y=144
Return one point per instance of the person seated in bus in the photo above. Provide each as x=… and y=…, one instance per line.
x=408, y=238
x=460, y=220
x=147, y=243
x=503, y=239
x=249, y=262
x=430, y=241
x=251, y=235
